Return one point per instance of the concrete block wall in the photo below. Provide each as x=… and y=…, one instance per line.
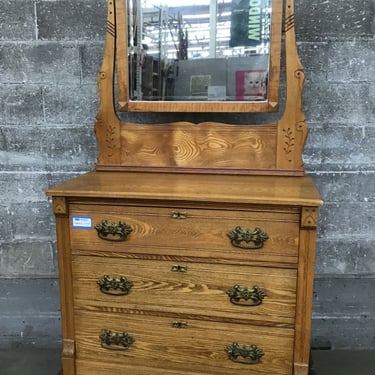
x=337, y=48
x=50, y=53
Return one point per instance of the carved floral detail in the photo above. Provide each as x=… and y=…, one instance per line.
x=289, y=143
x=110, y=139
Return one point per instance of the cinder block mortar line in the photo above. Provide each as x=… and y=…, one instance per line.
x=53, y=278
x=43, y=172
x=344, y=276
x=36, y=21
x=63, y=42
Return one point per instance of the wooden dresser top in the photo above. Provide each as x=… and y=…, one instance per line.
x=191, y=187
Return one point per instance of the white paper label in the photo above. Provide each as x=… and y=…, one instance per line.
x=83, y=222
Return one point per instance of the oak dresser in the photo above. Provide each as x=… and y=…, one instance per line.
x=170, y=274
x=190, y=248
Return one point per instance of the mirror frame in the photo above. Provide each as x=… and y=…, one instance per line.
x=208, y=147
x=127, y=105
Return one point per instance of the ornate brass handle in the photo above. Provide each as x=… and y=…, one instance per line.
x=115, y=287
x=251, y=354
x=112, y=231
x=255, y=295
x=257, y=237
x=115, y=341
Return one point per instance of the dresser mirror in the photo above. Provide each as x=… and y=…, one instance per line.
x=199, y=55
x=274, y=147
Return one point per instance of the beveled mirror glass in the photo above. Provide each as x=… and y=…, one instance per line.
x=199, y=55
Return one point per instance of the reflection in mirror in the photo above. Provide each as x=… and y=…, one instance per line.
x=199, y=50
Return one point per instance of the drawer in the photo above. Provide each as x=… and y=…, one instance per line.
x=143, y=344
x=202, y=289
x=262, y=236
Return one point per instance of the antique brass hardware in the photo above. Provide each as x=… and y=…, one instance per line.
x=251, y=354
x=257, y=237
x=115, y=341
x=178, y=215
x=179, y=325
x=178, y=268
x=255, y=295
x=113, y=232
x=114, y=286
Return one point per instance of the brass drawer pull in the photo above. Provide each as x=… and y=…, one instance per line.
x=115, y=341
x=112, y=231
x=178, y=215
x=251, y=354
x=115, y=287
x=178, y=268
x=256, y=237
x=255, y=295
x=179, y=325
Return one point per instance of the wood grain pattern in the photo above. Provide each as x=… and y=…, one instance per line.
x=204, y=233
x=219, y=189
x=198, y=348
x=201, y=290
x=207, y=145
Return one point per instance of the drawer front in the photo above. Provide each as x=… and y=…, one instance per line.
x=158, y=345
x=263, y=295
x=237, y=235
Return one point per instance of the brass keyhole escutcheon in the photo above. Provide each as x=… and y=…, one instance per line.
x=179, y=268
x=178, y=215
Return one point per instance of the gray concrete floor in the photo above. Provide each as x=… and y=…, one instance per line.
x=47, y=362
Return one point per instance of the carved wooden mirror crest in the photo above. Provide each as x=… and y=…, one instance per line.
x=208, y=147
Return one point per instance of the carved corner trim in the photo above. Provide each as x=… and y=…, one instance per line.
x=309, y=217
x=68, y=349
x=60, y=206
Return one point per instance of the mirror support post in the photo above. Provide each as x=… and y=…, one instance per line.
x=108, y=126
x=292, y=129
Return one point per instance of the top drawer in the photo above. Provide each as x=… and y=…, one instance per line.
x=235, y=235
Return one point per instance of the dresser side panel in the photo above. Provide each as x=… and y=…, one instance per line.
x=61, y=211
x=305, y=282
